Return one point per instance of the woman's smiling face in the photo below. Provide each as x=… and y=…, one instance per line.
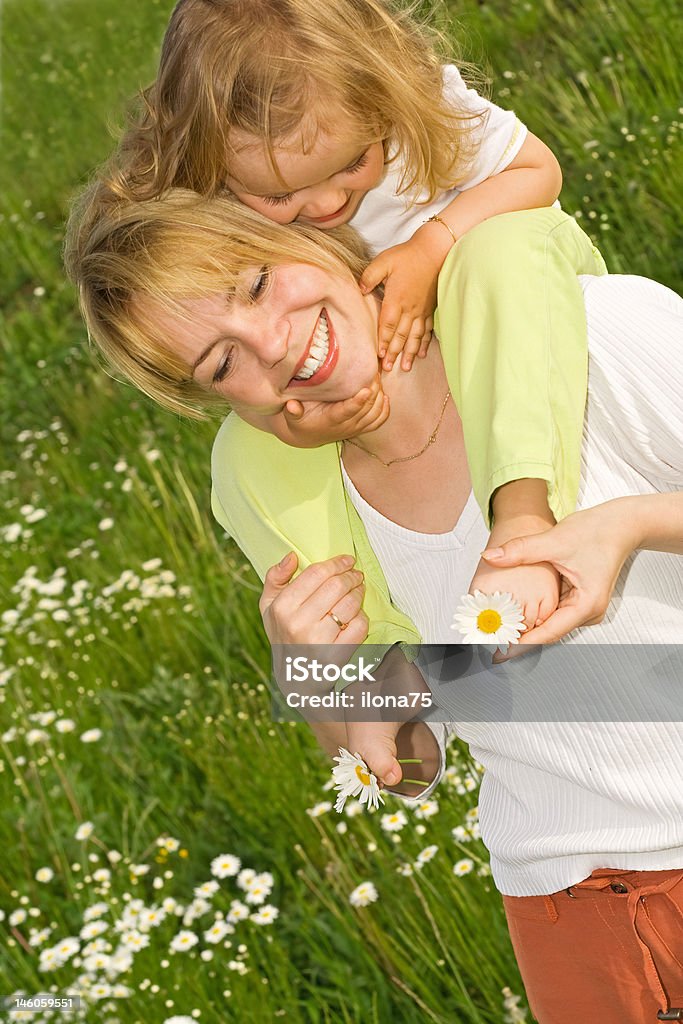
x=294, y=331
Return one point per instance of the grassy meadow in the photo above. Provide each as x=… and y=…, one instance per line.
x=138, y=759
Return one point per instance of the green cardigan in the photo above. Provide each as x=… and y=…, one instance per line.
x=512, y=327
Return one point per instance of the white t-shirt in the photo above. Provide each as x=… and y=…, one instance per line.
x=562, y=798
x=385, y=218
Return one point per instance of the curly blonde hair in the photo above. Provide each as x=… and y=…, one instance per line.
x=183, y=246
x=274, y=68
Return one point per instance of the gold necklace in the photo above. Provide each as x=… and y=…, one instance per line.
x=407, y=458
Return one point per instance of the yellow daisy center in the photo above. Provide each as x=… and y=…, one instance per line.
x=363, y=775
x=489, y=620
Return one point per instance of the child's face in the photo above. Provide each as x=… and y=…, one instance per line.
x=325, y=184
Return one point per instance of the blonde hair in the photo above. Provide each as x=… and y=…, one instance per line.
x=271, y=68
x=180, y=247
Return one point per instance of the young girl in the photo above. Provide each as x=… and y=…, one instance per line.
x=341, y=113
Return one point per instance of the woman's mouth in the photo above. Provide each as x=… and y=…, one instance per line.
x=320, y=356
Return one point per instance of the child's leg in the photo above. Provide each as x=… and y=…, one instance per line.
x=512, y=326
x=609, y=949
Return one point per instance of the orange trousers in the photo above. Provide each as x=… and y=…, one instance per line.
x=608, y=950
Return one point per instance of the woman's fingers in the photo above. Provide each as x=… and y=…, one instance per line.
x=563, y=620
x=277, y=578
x=323, y=605
x=331, y=593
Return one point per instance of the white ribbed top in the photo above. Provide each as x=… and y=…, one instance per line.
x=561, y=799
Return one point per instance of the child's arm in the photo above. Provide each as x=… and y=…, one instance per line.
x=410, y=271
x=520, y=509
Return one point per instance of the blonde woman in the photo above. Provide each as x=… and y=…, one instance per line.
x=176, y=292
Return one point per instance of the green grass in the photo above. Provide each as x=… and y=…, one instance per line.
x=172, y=670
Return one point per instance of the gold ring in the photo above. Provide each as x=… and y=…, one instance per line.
x=342, y=625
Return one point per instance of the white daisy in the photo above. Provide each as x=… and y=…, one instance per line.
x=427, y=809
x=352, y=777
x=463, y=867
x=489, y=619
x=91, y=736
x=44, y=875
x=238, y=911
x=207, y=889
x=424, y=856
x=393, y=822
x=84, y=831
x=96, y=910
x=218, y=930
x=363, y=894
x=245, y=877
x=322, y=808
x=265, y=915
x=225, y=865
x=183, y=941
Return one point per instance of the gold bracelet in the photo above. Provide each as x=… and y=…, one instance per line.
x=440, y=220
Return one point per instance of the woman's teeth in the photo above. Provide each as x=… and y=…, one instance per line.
x=318, y=351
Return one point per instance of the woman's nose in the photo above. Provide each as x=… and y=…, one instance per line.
x=269, y=341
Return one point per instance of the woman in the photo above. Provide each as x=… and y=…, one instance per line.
x=205, y=318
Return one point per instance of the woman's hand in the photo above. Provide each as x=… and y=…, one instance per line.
x=588, y=549
x=309, y=609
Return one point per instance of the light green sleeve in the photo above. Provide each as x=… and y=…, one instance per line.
x=512, y=326
x=272, y=499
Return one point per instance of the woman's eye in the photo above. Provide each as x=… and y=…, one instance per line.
x=259, y=284
x=224, y=367
x=277, y=200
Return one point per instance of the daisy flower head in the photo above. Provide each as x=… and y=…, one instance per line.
x=265, y=915
x=393, y=822
x=352, y=777
x=363, y=894
x=225, y=865
x=183, y=941
x=489, y=619
x=463, y=867
x=44, y=875
x=84, y=831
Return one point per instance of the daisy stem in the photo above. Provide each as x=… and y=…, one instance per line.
x=410, y=760
x=416, y=782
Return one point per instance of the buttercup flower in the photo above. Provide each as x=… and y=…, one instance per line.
x=352, y=777
x=489, y=619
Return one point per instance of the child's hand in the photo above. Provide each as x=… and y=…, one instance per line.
x=311, y=424
x=589, y=548
x=410, y=272
x=535, y=587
